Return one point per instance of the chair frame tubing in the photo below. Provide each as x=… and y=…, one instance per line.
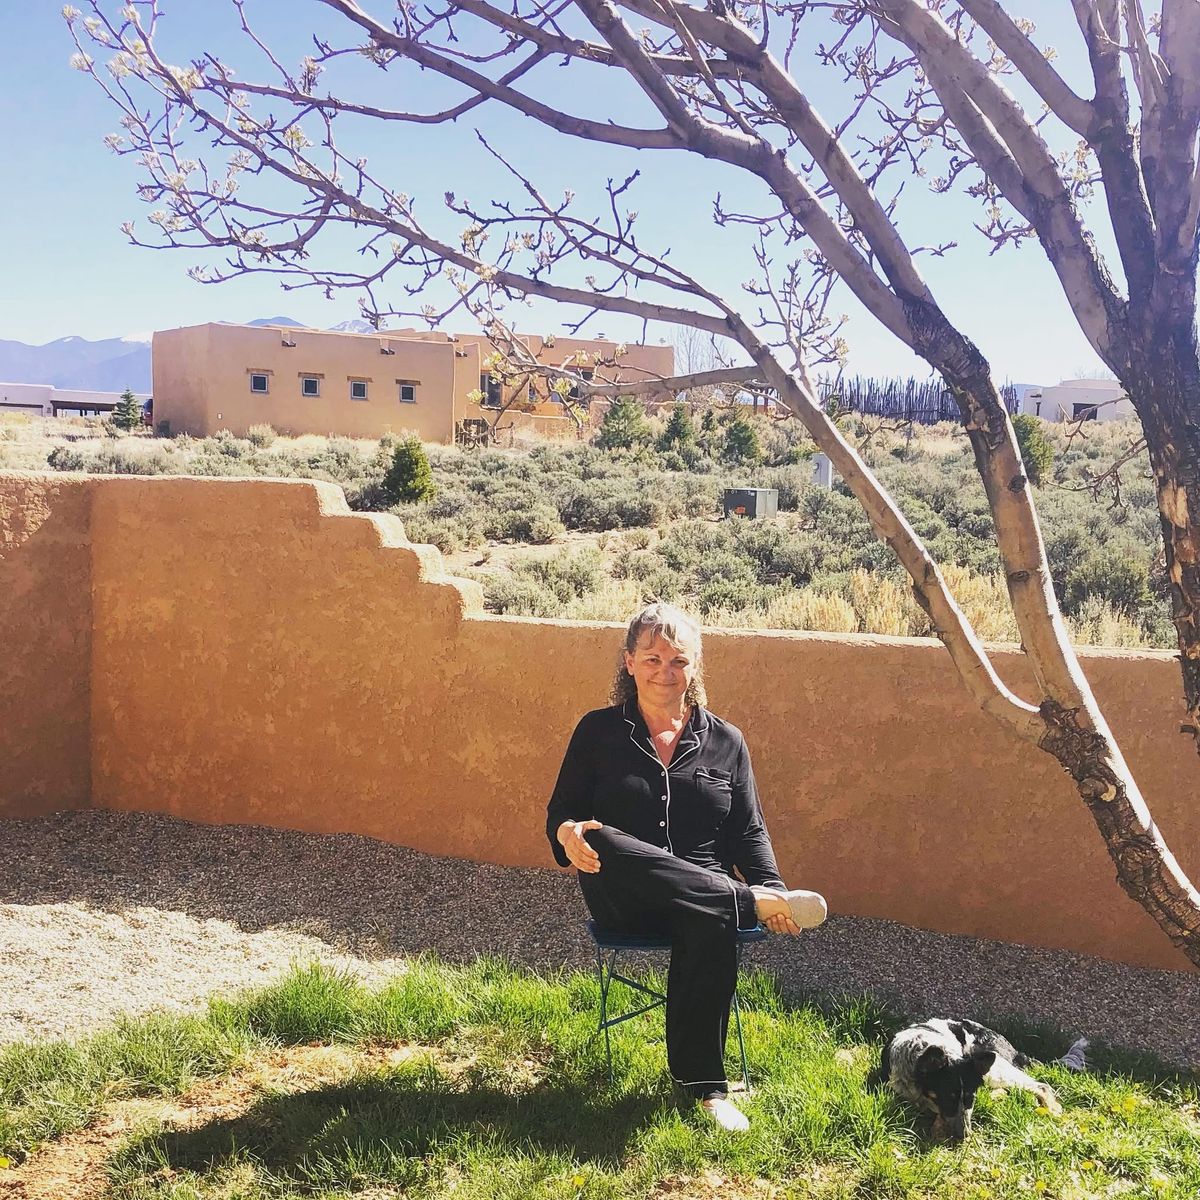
x=606, y=968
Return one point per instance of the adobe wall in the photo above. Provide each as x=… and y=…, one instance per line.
x=260, y=654
x=45, y=643
x=884, y=787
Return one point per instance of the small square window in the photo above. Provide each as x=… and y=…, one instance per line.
x=310, y=385
x=408, y=393
x=358, y=389
x=258, y=381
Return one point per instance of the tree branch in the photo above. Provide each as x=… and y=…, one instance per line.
x=1036, y=189
x=670, y=385
x=1073, y=110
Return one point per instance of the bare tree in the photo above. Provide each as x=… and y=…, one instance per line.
x=924, y=82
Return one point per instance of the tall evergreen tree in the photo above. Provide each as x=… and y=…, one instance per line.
x=741, y=441
x=680, y=430
x=128, y=413
x=624, y=426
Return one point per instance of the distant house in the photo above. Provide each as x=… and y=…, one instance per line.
x=45, y=400
x=1076, y=400
x=218, y=376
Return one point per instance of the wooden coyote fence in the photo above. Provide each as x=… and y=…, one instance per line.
x=923, y=401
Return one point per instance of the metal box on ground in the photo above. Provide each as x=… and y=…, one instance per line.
x=751, y=502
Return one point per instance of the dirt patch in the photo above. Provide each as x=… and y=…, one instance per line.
x=74, y=1165
x=715, y=1185
x=496, y=558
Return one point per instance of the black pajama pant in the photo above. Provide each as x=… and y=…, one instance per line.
x=641, y=888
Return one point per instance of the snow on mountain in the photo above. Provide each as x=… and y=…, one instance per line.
x=355, y=326
x=109, y=364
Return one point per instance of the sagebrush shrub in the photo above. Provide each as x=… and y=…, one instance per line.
x=262, y=436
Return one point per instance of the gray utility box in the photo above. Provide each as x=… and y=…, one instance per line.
x=751, y=502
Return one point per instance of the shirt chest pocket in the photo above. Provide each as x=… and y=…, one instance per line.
x=715, y=790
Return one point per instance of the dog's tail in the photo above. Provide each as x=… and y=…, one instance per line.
x=1075, y=1058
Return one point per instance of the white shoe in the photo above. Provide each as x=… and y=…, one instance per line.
x=807, y=909
x=726, y=1115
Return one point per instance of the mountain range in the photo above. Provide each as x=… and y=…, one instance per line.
x=109, y=365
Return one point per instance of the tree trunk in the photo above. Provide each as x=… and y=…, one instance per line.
x=1076, y=733
x=1163, y=382
x=1146, y=868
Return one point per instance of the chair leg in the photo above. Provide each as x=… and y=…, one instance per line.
x=737, y=1021
x=605, y=981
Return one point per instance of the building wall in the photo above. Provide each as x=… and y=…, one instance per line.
x=202, y=382
x=26, y=397
x=45, y=643
x=634, y=365
x=180, y=362
x=258, y=653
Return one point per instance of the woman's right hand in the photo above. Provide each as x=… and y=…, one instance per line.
x=579, y=853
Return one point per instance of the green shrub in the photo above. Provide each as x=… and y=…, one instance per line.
x=1112, y=575
x=567, y=575
x=535, y=522
x=611, y=504
x=409, y=478
x=1036, y=452
x=515, y=596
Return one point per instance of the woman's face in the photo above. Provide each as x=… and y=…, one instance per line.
x=661, y=671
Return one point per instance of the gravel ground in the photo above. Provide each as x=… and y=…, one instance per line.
x=103, y=913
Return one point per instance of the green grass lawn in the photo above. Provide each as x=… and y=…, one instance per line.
x=489, y=1082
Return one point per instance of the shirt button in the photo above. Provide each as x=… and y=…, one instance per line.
x=664, y=799
x=662, y=824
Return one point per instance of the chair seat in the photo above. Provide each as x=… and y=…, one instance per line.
x=610, y=939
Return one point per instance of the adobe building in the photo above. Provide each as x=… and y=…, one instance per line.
x=46, y=400
x=1076, y=400
x=218, y=376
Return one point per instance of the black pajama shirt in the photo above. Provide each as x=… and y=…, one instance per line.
x=671, y=840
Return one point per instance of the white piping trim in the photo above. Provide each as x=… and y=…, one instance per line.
x=666, y=780
x=736, y=920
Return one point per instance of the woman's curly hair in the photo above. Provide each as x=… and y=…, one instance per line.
x=673, y=625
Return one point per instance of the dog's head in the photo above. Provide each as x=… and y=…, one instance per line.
x=948, y=1086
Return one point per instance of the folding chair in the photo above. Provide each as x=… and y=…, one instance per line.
x=610, y=945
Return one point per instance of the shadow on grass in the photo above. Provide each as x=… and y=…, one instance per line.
x=399, y=1122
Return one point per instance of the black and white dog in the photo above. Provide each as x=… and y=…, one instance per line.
x=940, y=1064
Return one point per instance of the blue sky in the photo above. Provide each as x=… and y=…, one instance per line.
x=69, y=269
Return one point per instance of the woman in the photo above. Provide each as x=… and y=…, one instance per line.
x=656, y=806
